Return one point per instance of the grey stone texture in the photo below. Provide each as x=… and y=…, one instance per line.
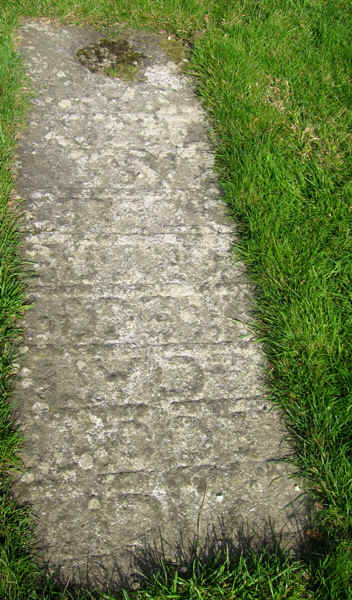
x=140, y=389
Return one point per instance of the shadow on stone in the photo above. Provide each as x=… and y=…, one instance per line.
x=191, y=558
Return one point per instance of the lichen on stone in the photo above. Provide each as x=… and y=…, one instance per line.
x=113, y=58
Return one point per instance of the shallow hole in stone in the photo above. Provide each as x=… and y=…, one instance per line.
x=111, y=57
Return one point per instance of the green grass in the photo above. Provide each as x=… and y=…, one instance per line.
x=275, y=79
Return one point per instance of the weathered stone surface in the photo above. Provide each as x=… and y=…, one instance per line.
x=140, y=397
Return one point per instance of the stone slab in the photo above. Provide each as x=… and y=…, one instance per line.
x=140, y=389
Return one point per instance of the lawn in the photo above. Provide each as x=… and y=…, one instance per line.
x=275, y=80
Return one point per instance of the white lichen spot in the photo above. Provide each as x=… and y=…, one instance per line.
x=129, y=94
x=96, y=420
x=50, y=135
x=85, y=462
x=93, y=504
x=161, y=77
x=60, y=74
x=101, y=453
x=146, y=174
x=27, y=478
x=76, y=154
x=88, y=100
x=65, y=104
x=25, y=372
x=39, y=407
x=62, y=141
x=187, y=316
x=44, y=468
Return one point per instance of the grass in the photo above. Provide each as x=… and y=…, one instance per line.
x=275, y=79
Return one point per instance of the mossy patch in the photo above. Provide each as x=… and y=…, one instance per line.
x=175, y=49
x=114, y=58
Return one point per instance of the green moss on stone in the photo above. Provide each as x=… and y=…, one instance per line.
x=175, y=50
x=114, y=58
